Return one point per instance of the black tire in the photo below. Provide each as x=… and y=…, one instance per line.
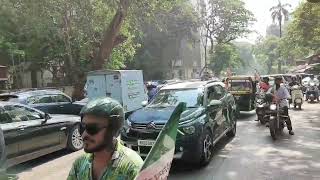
x=272, y=128
x=233, y=131
x=206, y=149
x=261, y=119
x=75, y=142
x=300, y=108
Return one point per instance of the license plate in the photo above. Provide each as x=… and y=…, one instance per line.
x=298, y=101
x=146, y=142
x=237, y=97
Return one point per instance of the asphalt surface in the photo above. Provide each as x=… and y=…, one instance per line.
x=251, y=155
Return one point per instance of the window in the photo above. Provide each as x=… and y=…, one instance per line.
x=20, y=113
x=215, y=93
x=46, y=99
x=211, y=94
x=60, y=98
x=39, y=99
x=171, y=97
x=220, y=92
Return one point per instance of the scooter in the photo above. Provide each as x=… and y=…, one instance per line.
x=297, y=96
x=261, y=108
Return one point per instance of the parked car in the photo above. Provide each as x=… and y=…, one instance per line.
x=209, y=116
x=49, y=101
x=30, y=133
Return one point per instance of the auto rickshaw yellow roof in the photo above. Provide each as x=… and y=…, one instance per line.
x=241, y=77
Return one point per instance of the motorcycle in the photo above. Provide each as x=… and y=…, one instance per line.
x=261, y=107
x=296, y=96
x=276, y=120
x=312, y=92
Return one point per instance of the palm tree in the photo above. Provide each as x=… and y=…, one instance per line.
x=279, y=13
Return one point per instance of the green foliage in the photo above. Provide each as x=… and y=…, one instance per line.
x=225, y=20
x=303, y=35
x=225, y=56
x=161, y=39
x=267, y=52
x=247, y=61
x=64, y=35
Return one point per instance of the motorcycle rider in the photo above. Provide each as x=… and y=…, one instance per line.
x=316, y=82
x=105, y=157
x=281, y=96
x=152, y=90
x=294, y=81
x=264, y=84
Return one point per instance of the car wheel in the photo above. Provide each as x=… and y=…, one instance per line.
x=75, y=142
x=272, y=128
x=261, y=119
x=206, y=147
x=233, y=129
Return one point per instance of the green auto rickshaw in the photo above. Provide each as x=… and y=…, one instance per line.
x=243, y=88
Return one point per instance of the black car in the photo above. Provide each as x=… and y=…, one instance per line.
x=30, y=133
x=49, y=101
x=209, y=116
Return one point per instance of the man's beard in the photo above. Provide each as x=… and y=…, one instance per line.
x=107, y=144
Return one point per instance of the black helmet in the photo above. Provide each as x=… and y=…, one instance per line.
x=278, y=78
x=107, y=108
x=265, y=79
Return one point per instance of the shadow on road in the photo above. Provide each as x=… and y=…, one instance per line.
x=246, y=116
x=180, y=167
x=29, y=165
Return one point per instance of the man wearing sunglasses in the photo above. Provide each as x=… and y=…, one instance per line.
x=105, y=158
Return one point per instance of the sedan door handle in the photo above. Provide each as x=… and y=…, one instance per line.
x=63, y=128
x=61, y=106
x=21, y=128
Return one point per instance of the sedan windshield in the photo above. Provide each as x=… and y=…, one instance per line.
x=171, y=97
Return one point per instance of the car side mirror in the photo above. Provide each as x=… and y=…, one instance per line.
x=215, y=104
x=144, y=103
x=46, y=118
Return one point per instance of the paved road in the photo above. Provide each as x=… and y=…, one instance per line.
x=251, y=155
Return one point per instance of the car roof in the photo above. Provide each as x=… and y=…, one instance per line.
x=4, y=103
x=191, y=84
x=29, y=93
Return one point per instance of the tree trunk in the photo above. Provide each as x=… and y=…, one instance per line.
x=279, y=66
x=111, y=36
x=111, y=39
x=279, y=60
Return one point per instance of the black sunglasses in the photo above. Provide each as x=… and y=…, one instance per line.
x=91, y=129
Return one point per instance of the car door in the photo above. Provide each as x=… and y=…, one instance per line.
x=215, y=115
x=11, y=132
x=64, y=104
x=221, y=95
x=36, y=133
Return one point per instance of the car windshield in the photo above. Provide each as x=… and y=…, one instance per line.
x=240, y=85
x=171, y=97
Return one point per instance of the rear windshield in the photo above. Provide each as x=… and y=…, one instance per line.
x=9, y=98
x=240, y=85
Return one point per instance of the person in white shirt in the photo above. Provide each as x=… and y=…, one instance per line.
x=281, y=96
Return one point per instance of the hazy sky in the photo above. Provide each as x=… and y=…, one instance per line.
x=260, y=8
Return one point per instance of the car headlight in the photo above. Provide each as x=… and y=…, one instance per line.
x=189, y=129
x=128, y=123
x=273, y=107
